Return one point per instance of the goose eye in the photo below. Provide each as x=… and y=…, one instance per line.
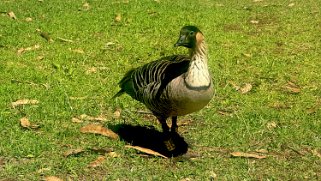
x=191, y=33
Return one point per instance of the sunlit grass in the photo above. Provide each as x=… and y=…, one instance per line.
x=268, y=44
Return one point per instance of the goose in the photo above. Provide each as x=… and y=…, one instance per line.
x=174, y=85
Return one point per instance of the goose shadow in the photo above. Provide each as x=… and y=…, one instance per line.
x=149, y=137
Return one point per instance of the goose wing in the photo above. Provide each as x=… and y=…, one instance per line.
x=148, y=82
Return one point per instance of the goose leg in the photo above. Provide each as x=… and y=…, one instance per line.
x=168, y=139
x=174, y=127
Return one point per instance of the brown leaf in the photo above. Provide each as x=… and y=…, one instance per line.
x=24, y=102
x=247, y=155
x=28, y=19
x=117, y=113
x=53, y=178
x=118, y=18
x=78, y=50
x=292, y=88
x=245, y=88
x=97, y=162
x=90, y=118
x=86, y=6
x=146, y=150
x=76, y=120
x=98, y=129
x=73, y=152
x=24, y=122
x=271, y=125
x=31, y=48
x=113, y=154
x=317, y=153
x=12, y=15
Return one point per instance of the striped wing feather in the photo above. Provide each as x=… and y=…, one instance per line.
x=147, y=83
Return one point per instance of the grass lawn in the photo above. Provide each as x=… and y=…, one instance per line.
x=68, y=56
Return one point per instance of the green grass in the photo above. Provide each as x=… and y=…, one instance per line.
x=266, y=44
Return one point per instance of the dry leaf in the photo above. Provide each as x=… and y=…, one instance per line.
x=315, y=152
x=245, y=88
x=76, y=120
x=86, y=6
x=12, y=15
x=73, y=152
x=98, y=129
x=291, y=4
x=254, y=21
x=117, y=113
x=90, y=118
x=42, y=170
x=24, y=122
x=271, y=125
x=53, y=178
x=28, y=19
x=113, y=154
x=24, y=102
x=118, y=18
x=292, y=88
x=79, y=50
x=22, y=50
x=247, y=155
x=97, y=162
x=146, y=150
x=261, y=151
x=233, y=84
x=65, y=40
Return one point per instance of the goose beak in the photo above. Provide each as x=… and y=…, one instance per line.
x=180, y=41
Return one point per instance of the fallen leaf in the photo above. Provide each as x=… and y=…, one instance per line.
x=245, y=88
x=118, y=18
x=292, y=88
x=117, y=113
x=78, y=50
x=28, y=19
x=247, y=55
x=113, y=154
x=53, y=178
x=12, y=15
x=31, y=48
x=24, y=122
x=24, y=102
x=254, y=21
x=234, y=85
x=73, y=152
x=291, y=4
x=262, y=151
x=42, y=170
x=315, y=152
x=91, y=118
x=146, y=150
x=271, y=125
x=76, y=120
x=65, y=40
x=97, y=162
x=247, y=155
x=86, y=6
x=98, y=129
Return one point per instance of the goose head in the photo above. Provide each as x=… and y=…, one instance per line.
x=190, y=37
